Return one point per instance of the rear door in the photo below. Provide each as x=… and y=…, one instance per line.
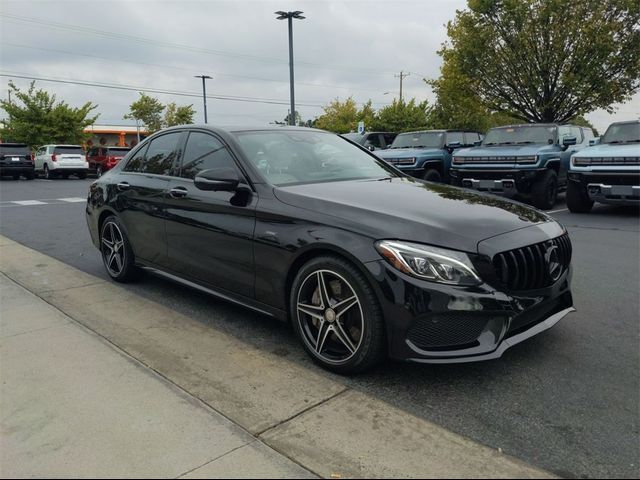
x=141, y=187
x=210, y=234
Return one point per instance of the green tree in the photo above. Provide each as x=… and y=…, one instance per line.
x=339, y=117
x=35, y=118
x=549, y=60
x=458, y=104
x=178, y=115
x=403, y=116
x=149, y=111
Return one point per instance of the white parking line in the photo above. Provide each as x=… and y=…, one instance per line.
x=556, y=211
x=72, y=199
x=29, y=202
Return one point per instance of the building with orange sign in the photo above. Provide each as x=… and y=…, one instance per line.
x=114, y=135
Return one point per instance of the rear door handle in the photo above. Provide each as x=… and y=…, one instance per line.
x=178, y=192
x=123, y=186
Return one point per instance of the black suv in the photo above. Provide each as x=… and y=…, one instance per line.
x=16, y=160
x=372, y=140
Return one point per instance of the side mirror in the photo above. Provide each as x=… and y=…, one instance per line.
x=477, y=143
x=222, y=179
x=567, y=141
x=370, y=147
x=454, y=145
x=594, y=141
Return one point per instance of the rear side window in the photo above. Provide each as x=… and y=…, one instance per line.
x=68, y=151
x=117, y=152
x=204, y=152
x=136, y=162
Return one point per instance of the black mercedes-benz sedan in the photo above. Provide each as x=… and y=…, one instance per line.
x=364, y=261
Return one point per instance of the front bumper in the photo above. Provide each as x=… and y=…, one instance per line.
x=507, y=182
x=615, y=188
x=429, y=322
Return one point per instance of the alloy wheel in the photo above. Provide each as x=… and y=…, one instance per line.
x=113, y=250
x=330, y=316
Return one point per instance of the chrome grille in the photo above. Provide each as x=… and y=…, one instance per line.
x=529, y=268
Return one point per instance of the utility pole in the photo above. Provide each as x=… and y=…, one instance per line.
x=289, y=16
x=204, y=93
x=402, y=76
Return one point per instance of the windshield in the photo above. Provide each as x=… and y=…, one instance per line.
x=521, y=135
x=293, y=157
x=419, y=140
x=622, y=133
x=68, y=151
x=14, y=150
x=355, y=137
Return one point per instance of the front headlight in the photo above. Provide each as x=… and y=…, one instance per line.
x=429, y=263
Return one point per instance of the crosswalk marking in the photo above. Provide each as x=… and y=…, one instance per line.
x=45, y=201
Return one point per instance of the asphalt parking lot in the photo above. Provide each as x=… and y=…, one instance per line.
x=566, y=401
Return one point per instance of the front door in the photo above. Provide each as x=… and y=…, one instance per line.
x=210, y=234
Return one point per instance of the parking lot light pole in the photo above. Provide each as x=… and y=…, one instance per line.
x=204, y=93
x=290, y=16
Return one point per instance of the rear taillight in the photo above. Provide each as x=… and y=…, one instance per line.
x=53, y=157
x=112, y=160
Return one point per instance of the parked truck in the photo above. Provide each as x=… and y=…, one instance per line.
x=608, y=172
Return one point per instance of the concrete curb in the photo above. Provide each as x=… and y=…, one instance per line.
x=301, y=413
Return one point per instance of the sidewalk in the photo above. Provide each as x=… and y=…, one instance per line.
x=100, y=382
x=74, y=406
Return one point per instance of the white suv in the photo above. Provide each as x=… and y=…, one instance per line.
x=64, y=160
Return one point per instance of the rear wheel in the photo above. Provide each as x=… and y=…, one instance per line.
x=337, y=316
x=431, y=175
x=117, y=254
x=47, y=173
x=30, y=175
x=578, y=200
x=16, y=176
x=545, y=191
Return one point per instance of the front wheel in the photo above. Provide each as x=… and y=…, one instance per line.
x=82, y=175
x=578, y=200
x=431, y=175
x=337, y=316
x=545, y=191
x=117, y=254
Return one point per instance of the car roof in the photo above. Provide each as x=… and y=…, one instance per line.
x=625, y=122
x=451, y=130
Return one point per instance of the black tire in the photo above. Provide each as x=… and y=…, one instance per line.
x=82, y=175
x=431, y=175
x=16, y=177
x=48, y=175
x=544, y=192
x=65, y=176
x=30, y=175
x=124, y=270
x=578, y=200
x=362, y=321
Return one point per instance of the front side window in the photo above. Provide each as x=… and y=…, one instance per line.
x=296, y=157
x=136, y=162
x=204, y=152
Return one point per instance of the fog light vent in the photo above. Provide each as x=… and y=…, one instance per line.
x=449, y=330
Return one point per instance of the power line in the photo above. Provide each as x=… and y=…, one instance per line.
x=156, y=91
x=183, y=69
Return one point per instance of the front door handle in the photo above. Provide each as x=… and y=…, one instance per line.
x=123, y=186
x=178, y=192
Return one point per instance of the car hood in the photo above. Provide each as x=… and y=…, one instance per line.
x=608, y=150
x=409, y=152
x=506, y=150
x=413, y=210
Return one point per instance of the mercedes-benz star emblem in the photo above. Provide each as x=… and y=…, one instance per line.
x=553, y=262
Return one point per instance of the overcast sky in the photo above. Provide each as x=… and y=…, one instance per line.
x=343, y=48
